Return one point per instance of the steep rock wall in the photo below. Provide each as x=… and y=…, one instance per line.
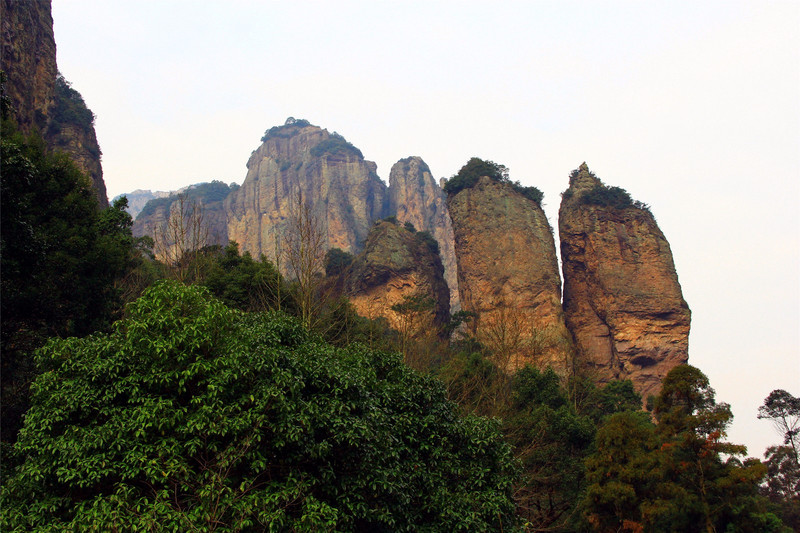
x=622, y=300
x=508, y=275
x=415, y=197
x=301, y=163
x=40, y=99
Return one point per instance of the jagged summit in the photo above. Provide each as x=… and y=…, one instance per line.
x=622, y=300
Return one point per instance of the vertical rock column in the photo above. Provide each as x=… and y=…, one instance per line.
x=622, y=300
x=415, y=197
x=508, y=275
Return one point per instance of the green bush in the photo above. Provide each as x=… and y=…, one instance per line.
x=336, y=260
x=333, y=145
x=468, y=177
x=190, y=415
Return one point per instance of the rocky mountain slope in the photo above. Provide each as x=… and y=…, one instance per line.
x=508, y=274
x=622, y=300
x=399, y=268
x=42, y=99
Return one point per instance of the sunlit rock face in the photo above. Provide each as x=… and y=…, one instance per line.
x=508, y=275
x=622, y=300
x=415, y=197
x=302, y=165
x=39, y=100
x=398, y=266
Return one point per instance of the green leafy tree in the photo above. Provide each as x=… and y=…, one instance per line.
x=694, y=480
x=783, y=462
x=242, y=282
x=194, y=416
x=551, y=440
x=62, y=258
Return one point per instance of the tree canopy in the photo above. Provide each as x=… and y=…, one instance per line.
x=193, y=415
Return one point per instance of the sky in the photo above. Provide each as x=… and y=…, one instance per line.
x=693, y=107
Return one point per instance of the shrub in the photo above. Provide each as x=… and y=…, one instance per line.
x=288, y=129
x=335, y=144
x=476, y=168
x=336, y=260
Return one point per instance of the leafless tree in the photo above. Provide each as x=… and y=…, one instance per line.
x=185, y=230
x=304, y=246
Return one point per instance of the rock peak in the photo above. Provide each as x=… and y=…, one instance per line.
x=583, y=179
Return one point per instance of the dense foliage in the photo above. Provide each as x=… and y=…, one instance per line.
x=192, y=415
x=677, y=474
x=468, y=177
x=336, y=261
x=61, y=258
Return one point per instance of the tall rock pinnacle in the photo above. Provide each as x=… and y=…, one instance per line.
x=508, y=273
x=415, y=197
x=622, y=300
x=301, y=163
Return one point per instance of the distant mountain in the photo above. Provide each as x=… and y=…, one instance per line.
x=138, y=198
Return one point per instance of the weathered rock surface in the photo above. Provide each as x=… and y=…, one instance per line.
x=622, y=300
x=42, y=101
x=29, y=60
x=204, y=220
x=415, y=197
x=398, y=266
x=327, y=174
x=508, y=275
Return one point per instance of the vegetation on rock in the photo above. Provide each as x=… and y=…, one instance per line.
x=476, y=168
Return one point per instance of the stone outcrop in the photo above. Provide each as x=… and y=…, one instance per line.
x=41, y=99
x=508, y=275
x=415, y=197
x=399, y=267
x=622, y=300
x=301, y=164
x=204, y=220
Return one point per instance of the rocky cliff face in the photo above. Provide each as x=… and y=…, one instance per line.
x=301, y=163
x=43, y=101
x=508, y=275
x=415, y=197
x=399, y=267
x=29, y=60
x=622, y=299
x=201, y=208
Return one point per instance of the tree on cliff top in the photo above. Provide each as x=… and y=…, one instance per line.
x=476, y=168
x=190, y=415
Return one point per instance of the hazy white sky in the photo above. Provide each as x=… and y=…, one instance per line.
x=693, y=107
